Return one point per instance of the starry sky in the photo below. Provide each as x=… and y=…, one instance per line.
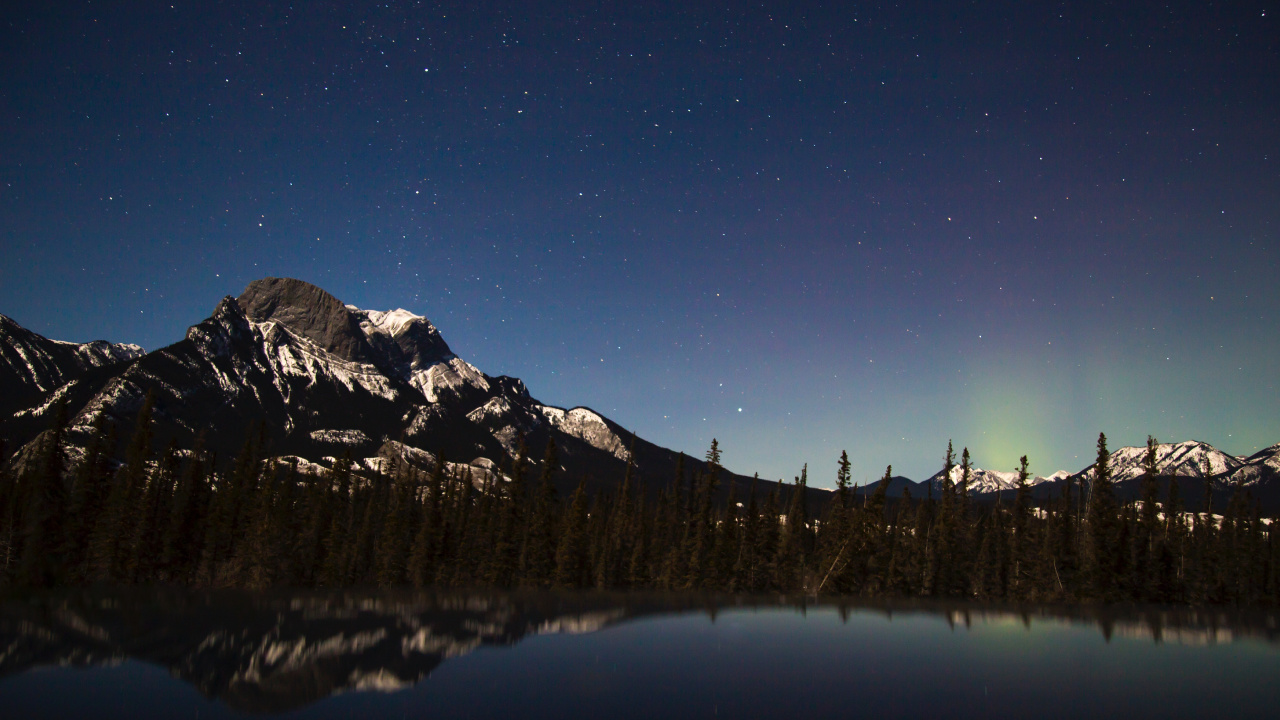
x=800, y=228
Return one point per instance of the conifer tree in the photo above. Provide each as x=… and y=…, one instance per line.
x=676, y=565
x=1020, y=548
x=109, y=541
x=9, y=517
x=843, y=476
x=613, y=547
x=1173, y=587
x=639, y=570
x=725, y=545
x=88, y=495
x=791, y=549
x=504, y=562
x=316, y=510
x=227, y=511
x=1147, y=536
x=768, y=543
x=877, y=543
x=44, y=515
x=395, y=542
x=1102, y=532
x=342, y=519
x=538, y=561
x=571, y=555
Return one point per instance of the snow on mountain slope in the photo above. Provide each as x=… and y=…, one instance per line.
x=448, y=378
x=323, y=377
x=292, y=356
x=985, y=481
x=1259, y=467
x=1184, y=459
x=32, y=363
x=412, y=349
x=588, y=427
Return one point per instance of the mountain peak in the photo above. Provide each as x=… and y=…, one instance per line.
x=307, y=311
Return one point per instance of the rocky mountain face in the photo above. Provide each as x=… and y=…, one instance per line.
x=323, y=379
x=32, y=365
x=326, y=379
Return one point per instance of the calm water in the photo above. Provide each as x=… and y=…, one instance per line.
x=458, y=656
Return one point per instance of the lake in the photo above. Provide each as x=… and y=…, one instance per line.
x=545, y=655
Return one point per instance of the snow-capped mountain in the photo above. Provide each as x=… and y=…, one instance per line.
x=1189, y=459
x=31, y=364
x=1185, y=459
x=325, y=379
x=985, y=481
x=1259, y=467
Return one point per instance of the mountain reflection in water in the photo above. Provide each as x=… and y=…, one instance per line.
x=273, y=653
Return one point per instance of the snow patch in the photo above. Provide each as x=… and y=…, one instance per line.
x=446, y=378
x=587, y=427
x=340, y=437
x=391, y=322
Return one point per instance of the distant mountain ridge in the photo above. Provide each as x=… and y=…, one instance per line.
x=31, y=364
x=325, y=379
x=1191, y=459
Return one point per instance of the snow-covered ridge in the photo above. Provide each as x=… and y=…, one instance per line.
x=389, y=322
x=441, y=378
x=587, y=427
x=101, y=352
x=42, y=364
x=292, y=355
x=985, y=481
x=1184, y=459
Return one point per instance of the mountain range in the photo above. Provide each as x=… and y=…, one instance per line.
x=1188, y=463
x=324, y=379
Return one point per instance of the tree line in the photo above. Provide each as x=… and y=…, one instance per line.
x=176, y=517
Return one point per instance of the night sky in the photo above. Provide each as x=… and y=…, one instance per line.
x=796, y=228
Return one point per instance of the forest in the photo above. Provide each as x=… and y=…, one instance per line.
x=177, y=517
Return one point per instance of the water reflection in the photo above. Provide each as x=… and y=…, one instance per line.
x=256, y=653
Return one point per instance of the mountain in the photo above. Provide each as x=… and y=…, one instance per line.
x=988, y=481
x=322, y=379
x=1192, y=458
x=1260, y=467
x=1187, y=461
x=31, y=364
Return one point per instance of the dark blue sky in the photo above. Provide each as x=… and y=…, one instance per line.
x=798, y=228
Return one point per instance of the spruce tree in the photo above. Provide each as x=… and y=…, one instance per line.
x=745, y=564
x=88, y=495
x=505, y=563
x=1102, y=534
x=726, y=543
x=342, y=519
x=538, y=561
x=109, y=544
x=1147, y=536
x=45, y=513
x=843, y=476
x=396, y=541
x=1020, y=548
x=571, y=555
